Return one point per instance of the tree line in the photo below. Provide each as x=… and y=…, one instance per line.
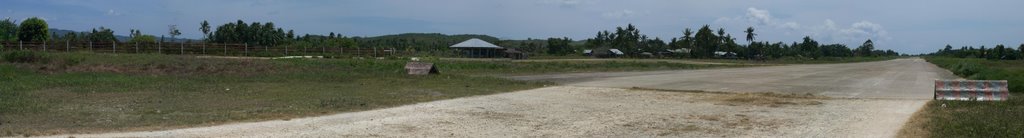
x=999, y=52
x=704, y=43
x=708, y=43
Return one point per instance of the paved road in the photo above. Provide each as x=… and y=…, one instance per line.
x=909, y=78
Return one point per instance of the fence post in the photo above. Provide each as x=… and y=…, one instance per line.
x=44, y=46
x=136, y=47
x=204, y=48
x=182, y=48
x=115, y=47
x=246, y=50
x=225, y=48
x=67, y=45
x=90, y=47
x=159, y=47
x=323, y=49
x=285, y=50
x=20, y=46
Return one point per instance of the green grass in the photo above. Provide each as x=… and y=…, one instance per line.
x=87, y=92
x=978, y=119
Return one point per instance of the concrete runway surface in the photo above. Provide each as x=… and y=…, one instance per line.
x=872, y=99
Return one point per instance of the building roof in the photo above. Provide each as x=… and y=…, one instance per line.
x=475, y=43
x=617, y=51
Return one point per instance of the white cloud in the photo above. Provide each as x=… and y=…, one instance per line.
x=564, y=3
x=111, y=12
x=829, y=30
x=619, y=14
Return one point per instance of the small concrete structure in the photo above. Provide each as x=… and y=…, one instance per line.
x=420, y=68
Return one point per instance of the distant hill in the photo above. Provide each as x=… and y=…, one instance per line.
x=62, y=32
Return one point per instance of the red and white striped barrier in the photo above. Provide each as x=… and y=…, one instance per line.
x=972, y=90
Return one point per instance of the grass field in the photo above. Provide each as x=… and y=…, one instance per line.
x=42, y=94
x=976, y=119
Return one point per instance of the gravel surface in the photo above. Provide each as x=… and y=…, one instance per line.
x=870, y=99
x=567, y=111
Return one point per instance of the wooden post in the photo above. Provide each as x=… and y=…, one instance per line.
x=20, y=46
x=115, y=47
x=285, y=50
x=90, y=47
x=204, y=48
x=136, y=47
x=225, y=48
x=246, y=50
x=182, y=48
x=67, y=45
x=159, y=47
x=44, y=46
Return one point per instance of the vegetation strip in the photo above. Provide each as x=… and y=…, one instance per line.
x=970, y=118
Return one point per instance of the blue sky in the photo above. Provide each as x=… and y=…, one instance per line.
x=909, y=26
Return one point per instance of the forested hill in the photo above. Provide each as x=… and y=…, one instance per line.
x=419, y=41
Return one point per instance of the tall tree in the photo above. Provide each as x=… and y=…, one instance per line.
x=1020, y=50
x=866, y=48
x=809, y=48
x=8, y=30
x=750, y=34
x=33, y=29
x=205, y=27
x=704, y=42
x=291, y=34
x=173, y=31
x=687, y=41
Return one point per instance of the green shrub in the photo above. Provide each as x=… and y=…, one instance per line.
x=25, y=57
x=966, y=68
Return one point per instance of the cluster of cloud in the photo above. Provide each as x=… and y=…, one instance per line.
x=762, y=17
x=856, y=32
x=111, y=12
x=829, y=30
x=620, y=14
x=564, y=3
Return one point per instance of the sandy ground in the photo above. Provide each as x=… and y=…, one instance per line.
x=870, y=99
x=568, y=111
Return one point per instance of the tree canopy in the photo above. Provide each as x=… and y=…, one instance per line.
x=8, y=30
x=33, y=29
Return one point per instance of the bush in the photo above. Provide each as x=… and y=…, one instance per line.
x=25, y=57
x=965, y=68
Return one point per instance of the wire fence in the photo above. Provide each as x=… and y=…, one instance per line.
x=218, y=49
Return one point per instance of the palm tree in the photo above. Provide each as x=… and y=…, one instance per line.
x=750, y=34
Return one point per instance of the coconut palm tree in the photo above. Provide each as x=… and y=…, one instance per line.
x=750, y=34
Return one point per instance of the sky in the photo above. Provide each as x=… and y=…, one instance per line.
x=907, y=26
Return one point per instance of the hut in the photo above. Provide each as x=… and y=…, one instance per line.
x=604, y=53
x=514, y=54
x=420, y=68
x=476, y=48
